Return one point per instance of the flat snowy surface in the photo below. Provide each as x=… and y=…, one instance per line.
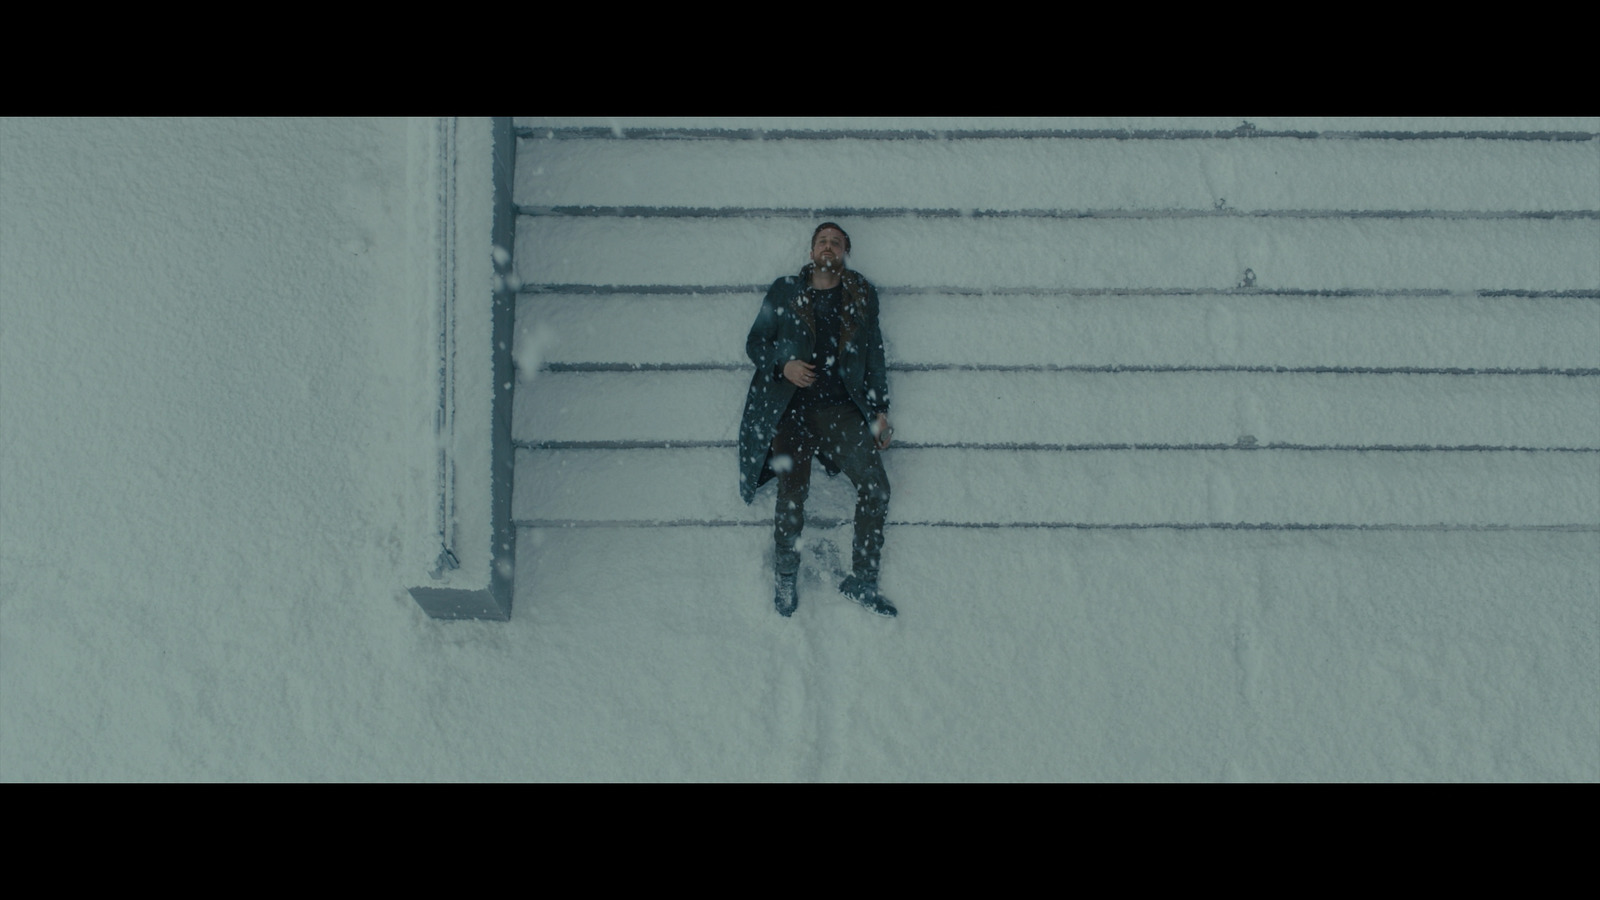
x=216, y=462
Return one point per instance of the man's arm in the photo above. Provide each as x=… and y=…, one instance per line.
x=876, y=371
x=877, y=375
x=762, y=343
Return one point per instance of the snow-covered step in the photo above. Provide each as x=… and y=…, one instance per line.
x=1093, y=408
x=1062, y=174
x=1089, y=487
x=1496, y=332
x=935, y=125
x=1155, y=253
x=951, y=127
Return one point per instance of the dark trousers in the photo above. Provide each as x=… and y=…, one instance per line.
x=842, y=435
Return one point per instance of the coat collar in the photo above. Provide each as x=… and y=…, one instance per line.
x=852, y=311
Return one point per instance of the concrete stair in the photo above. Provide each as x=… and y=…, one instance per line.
x=1178, y=327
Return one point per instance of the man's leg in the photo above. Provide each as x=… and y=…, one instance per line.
x=847, y=439
x=791, y=459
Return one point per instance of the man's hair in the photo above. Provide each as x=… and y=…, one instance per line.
x=835, y=228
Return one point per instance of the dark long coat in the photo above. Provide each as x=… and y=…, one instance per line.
x=785, y=329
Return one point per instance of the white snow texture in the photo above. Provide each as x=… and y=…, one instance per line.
x=1220, y=455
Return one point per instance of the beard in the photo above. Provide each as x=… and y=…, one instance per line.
x=830, y=263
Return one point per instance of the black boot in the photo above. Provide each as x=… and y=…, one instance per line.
x=786, y=597
x=865, y=592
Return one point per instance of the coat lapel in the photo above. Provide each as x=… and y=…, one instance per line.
x=852, y=307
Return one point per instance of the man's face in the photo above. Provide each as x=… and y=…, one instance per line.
x=827, y=250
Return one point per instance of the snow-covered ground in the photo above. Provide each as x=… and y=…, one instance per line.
x=217, y=457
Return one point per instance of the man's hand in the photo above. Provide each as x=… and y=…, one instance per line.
x=882, y=432
x=801, y=374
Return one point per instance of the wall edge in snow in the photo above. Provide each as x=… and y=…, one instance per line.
x=474, y=571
